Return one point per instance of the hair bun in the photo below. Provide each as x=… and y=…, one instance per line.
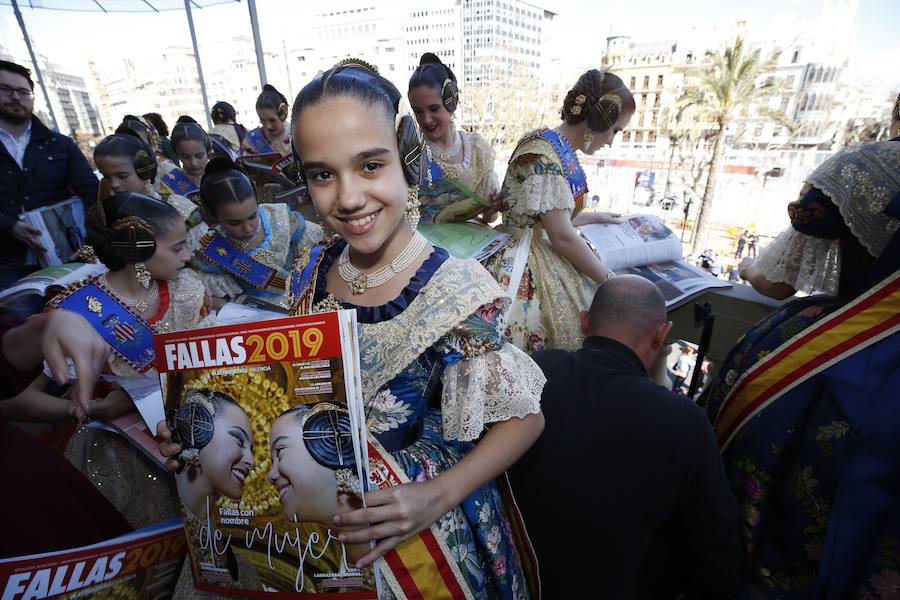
x=220, y=163
x=430, y=58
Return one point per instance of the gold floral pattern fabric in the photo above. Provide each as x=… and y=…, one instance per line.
x=551, y=295
x=476, y=171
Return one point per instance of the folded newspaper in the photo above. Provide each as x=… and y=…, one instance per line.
x=62, y=231
x=270, y=418
x=643, y=245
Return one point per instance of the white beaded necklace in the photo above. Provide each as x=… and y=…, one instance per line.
x=359, y=282
x=448, y=152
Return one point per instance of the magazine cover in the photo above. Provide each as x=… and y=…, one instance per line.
x=465, y=240
x=142, y=565
x=269, y=416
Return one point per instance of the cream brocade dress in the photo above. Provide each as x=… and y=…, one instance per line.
x=476, y=171
x=141, y=490
x=546, y=310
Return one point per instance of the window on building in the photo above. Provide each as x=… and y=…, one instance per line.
x=643, y=99
x=646, y=81
x=659, y=81
x=651, y=137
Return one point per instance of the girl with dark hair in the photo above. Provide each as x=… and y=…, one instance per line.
x=435, y=368
x=127, y=165
x=165, y=144
x=464, y=157
x=553, y=277
x=146, y=290
x=264, y=237
x=218, y=456
x=272, y=136
x=225, y=125
x=192, y=146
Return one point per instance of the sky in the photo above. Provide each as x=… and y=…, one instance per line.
x=72, y=38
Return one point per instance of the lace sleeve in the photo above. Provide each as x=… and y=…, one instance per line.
x=486, y=380
x=806, y=263
x=220, y=285
x=489, y=388
x=543, y=186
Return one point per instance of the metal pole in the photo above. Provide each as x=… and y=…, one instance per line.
x=37, y=67
x=257, y=43
x=187, y=8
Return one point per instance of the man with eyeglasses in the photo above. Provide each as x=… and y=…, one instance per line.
x=38, y=167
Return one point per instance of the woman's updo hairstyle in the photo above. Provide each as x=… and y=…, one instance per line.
x=438, y=76
x=193, y=423
x=142, y=128
x=272, y=99
x=186, y=129
x=327, y=433
x=223, y=112
x=354, y=78
x=223, y=183
x=125, y=143
x=158, y=123
x=598, y=97
x=123, y=228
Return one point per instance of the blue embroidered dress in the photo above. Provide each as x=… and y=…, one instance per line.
x=286, y=232
x=435, y=371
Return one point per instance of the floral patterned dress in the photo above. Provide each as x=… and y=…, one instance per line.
x=815, y=473
x=552, y=293
x=286, y=232
x=435, y=371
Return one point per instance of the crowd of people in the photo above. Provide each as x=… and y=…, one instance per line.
x=534, y=364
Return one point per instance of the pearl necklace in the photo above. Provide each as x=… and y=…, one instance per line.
x=448, y=152
x=139, y=304
x=359, y=282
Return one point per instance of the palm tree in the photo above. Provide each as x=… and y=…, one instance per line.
x=729, y=81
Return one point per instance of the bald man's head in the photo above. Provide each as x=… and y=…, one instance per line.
x=627, y=304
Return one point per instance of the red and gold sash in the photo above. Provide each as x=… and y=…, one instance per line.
x=872, y=317
x=420, y=568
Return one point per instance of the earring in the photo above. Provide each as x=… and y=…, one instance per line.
x=142, y=274
x=588, y=140
x=412, y=206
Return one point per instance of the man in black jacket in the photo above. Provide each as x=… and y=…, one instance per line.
x=38, y=167
x=624, y=494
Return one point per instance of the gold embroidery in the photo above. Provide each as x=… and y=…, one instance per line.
x=94, y=305
x=455, y=291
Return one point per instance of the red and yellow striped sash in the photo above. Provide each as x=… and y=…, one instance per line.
x=420, y=568
x=868, y=319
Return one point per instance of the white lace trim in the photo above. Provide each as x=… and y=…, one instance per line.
x=543, y=193
x=194, y=234
x=806, y=263
x=312, y=235
x=489, y=388
x=220, y=285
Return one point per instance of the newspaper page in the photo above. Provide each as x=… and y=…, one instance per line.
x=62, y=231
x=50, y=279
x=270, y=418
x=636, y=240
x=142, y=565
x=678, y=280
